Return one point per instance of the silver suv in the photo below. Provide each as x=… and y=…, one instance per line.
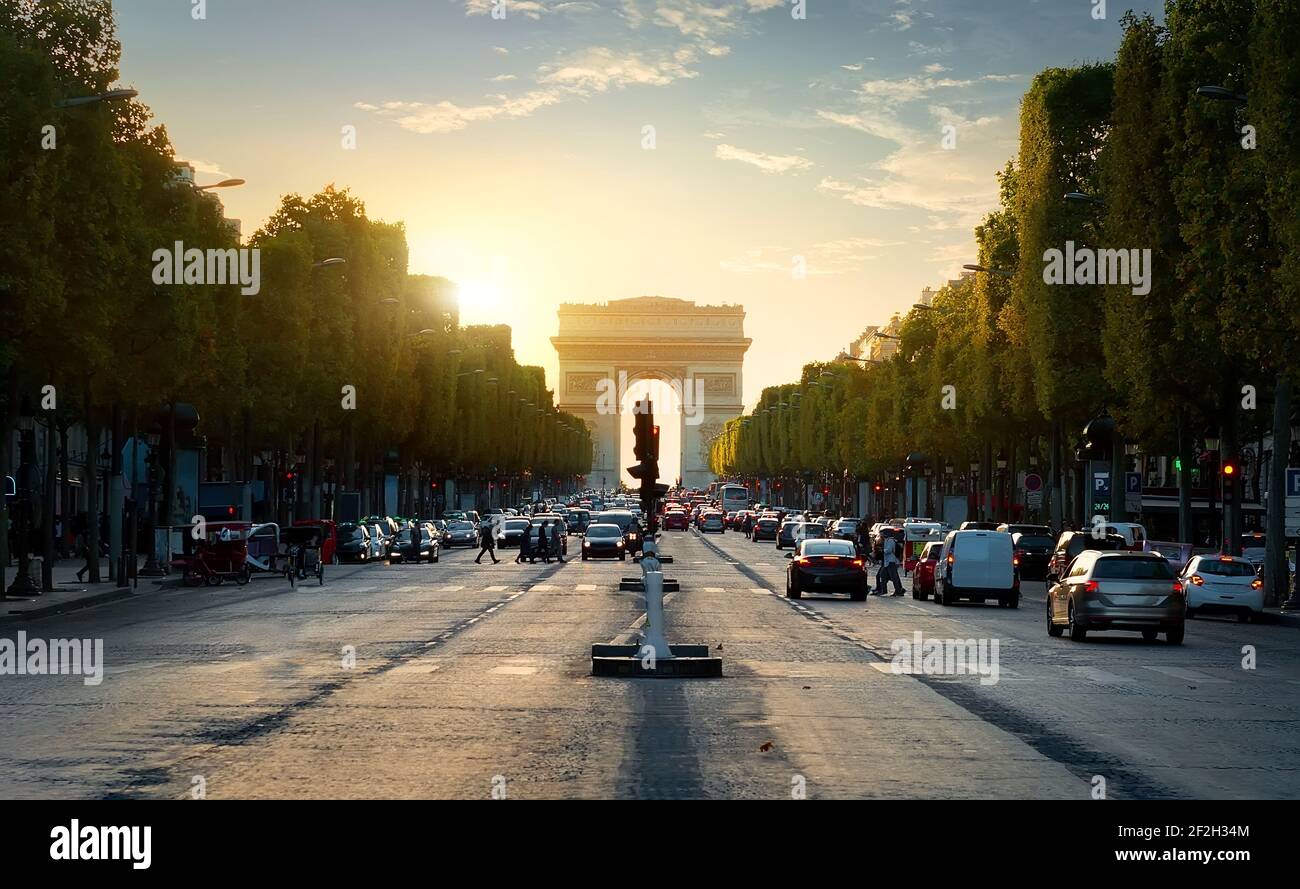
x=1117, y=591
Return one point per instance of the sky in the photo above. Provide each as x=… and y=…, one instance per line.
x=588, y=150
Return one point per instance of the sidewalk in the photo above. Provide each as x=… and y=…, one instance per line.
x=70, y=594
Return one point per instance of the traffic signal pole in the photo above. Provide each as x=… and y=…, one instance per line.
x=653, y=657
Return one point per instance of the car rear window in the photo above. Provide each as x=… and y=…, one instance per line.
x=1132, y=569
x=828, y=548
x=1034, y=544
x=1080, y=542
x=1226, y=569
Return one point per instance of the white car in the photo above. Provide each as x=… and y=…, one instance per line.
x=1223, y=584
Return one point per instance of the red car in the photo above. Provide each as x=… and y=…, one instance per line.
x=923, y=573
x=676, y=521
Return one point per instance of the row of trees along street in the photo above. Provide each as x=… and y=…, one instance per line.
x=1184, y=144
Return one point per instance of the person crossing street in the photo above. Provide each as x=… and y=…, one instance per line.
x=487, y=541
x=888, y=566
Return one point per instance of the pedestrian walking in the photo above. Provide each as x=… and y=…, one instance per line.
x=748, y=525
x=556, y=544
x=525, y=546
x=487, y=541
x=544, y=542
x=888, y=567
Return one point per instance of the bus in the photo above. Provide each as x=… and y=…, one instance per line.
x=732, y=498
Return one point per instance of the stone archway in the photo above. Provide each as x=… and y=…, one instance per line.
x=699, y=350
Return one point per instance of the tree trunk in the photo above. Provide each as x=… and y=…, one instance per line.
x=1277, y=574
x=47, y=512
x=92, y=490
x=115, y=499
x=1185, y=529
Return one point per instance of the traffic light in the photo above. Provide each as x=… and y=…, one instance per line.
x=645, y=448
x=1229, y=470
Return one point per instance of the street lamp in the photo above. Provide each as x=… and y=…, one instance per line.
x=1079, y=197
x=332, y=261
x=110, y=96
x=224, y=183
x=972, y=267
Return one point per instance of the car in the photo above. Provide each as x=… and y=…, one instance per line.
x=977, y=526
x=578, y=519
x=462, y=533
x=1071, y=543
x=1044, y=530
x=408, y=548
x=625, y=520
x=512, y=532
x=1223, y=584
x=877, y=542
x=765, y=529
x=1117, y=590
x=380, y=540
x=823, y=565
x=794, y=532
x=1033, y=550
x=1134, y=535
x=604, y=539
x=675, y=520
x=355, y=544
x=926, y=564
x=977, y=566
x=551, y=518
x=713, y=521
x=845, y=528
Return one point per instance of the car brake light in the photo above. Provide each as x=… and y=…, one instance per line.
x=802, y=560
x=1092, y=587
x=950, y=559
x=1197, y=579
x=1015, y=559
x=857, y=563
x=1257, y=584
x=1178, y=588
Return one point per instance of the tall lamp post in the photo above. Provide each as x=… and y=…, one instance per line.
x=152, y=568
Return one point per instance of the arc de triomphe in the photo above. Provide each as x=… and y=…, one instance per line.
x=698, y=350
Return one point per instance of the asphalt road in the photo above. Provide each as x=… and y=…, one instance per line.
x=473, y=679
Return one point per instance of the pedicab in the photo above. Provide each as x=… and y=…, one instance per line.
x=329, y=537
x=219, y=554
x=303, y=547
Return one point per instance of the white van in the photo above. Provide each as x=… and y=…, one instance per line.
x=977, y=565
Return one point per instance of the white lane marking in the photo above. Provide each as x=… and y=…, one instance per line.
x=713, y=589
x=1096, y=674
x=513, y=671
x=762, y=591
x=1187, y=675
x=448, y=589
x=540, y=587
x=494, y=589
x=585, y=587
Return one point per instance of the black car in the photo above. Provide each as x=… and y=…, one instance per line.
x=766, y=529
x=792, y=533
x=512, y=531
x=405, y=549
x=1071, y=543
x=354, y=543
x=825, y=566
x=626, y=522
x=603, y=540
x=1032, y=552
x=463, y=533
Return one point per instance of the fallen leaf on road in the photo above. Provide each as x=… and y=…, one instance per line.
x=765, y=746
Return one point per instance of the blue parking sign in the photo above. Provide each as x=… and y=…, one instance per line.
x=1293, y=482
x=1101, y=484
x=1133, y=483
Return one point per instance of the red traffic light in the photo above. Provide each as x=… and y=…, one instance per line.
x=288, y=476
x=1229, y=468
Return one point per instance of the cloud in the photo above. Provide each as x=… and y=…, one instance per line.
x=768, y=163
x=599, y=69
x=533, y=9
x=855, y=67
x=501, y=78
x=838, y=257
x=448, y=117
